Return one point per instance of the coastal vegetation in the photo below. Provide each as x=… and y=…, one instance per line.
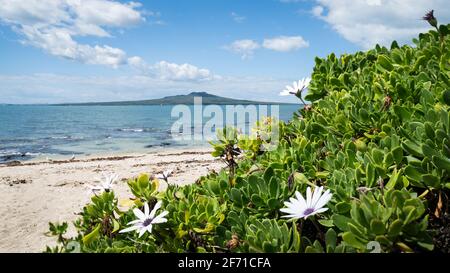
x=365, y=167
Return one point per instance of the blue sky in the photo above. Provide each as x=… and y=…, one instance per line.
x=100, y=50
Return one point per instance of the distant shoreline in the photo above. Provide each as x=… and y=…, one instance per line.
x=113, y=104
x=189, y=99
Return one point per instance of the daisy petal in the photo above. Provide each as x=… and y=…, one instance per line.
x=139, y=214
x=316, y=196
x=301, y=200
x=134, y=222
x=159, y=218
x=286, y=210
x=146, y=210
x=142, y=231
x=324, y=199
x=155, y=209
x=308, y=197
x=133, y=228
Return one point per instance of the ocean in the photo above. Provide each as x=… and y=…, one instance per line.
x=39, y=131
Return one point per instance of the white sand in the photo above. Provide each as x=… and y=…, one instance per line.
x=36, y=193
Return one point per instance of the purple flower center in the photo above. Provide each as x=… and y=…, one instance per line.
x=147, y=222
x=308, y=211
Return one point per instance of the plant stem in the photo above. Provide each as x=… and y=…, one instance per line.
x=316, y=225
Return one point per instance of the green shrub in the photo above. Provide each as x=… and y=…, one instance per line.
x=377, y=134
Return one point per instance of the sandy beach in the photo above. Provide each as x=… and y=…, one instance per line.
x=34, y=193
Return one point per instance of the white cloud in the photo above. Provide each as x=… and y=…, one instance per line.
x=170, y=71
x=54, y=25
x=317, y=11
x=106, y=13
x=245, y=48
x=368, y=22
x=139, y=64
x=285, y=43
x=238, y=18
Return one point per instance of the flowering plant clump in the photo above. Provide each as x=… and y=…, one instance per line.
x=146, y=219
x=366, y=163
x=314, y=204
x=106, y=184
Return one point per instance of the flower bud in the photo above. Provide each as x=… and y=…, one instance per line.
x=429, y=17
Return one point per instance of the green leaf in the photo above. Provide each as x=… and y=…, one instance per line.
x=143, y=181
x=431, y=181
x=326, y=222
x=352, y=241
x=446, y=97
x=412, y=148
x=429, y=130
x=257, y=200
x=444, y=30
x=236, y=197
x=385, y=62
x=377, y=227
x=398, y=155
x=394, y=180
x=274, y=187
x=341, y=222
x=330, y=240
x=395, y=228
x=273, y=204
x=268, y=247
x=402, y=113
x=116, y=226
x=311, y=249
x=420, y=61
x=88, y=239
x=442, y=163
x=370, y=175
x=343, y=207
x=268, y=174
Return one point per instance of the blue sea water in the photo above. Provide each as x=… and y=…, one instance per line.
x=30, y=131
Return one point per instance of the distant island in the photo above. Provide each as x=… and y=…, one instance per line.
x=207, y=99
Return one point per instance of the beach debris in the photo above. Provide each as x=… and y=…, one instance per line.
x=13, y=163
x=233, y=243
x=73, y=157
x=315, y=201
x=165, y=175
x=105, y=185
x=15, y=182
x=146, y=219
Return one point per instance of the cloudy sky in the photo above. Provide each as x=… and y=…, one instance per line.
x=55, y=51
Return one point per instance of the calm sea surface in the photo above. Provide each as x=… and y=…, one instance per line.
x=31, y=131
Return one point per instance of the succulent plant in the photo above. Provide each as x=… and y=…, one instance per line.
x=377, y=135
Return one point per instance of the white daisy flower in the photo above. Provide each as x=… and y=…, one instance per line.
x=299, y=208
x=146, y=219
x=165, y=175
x=297, y=87
x=106, y=184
